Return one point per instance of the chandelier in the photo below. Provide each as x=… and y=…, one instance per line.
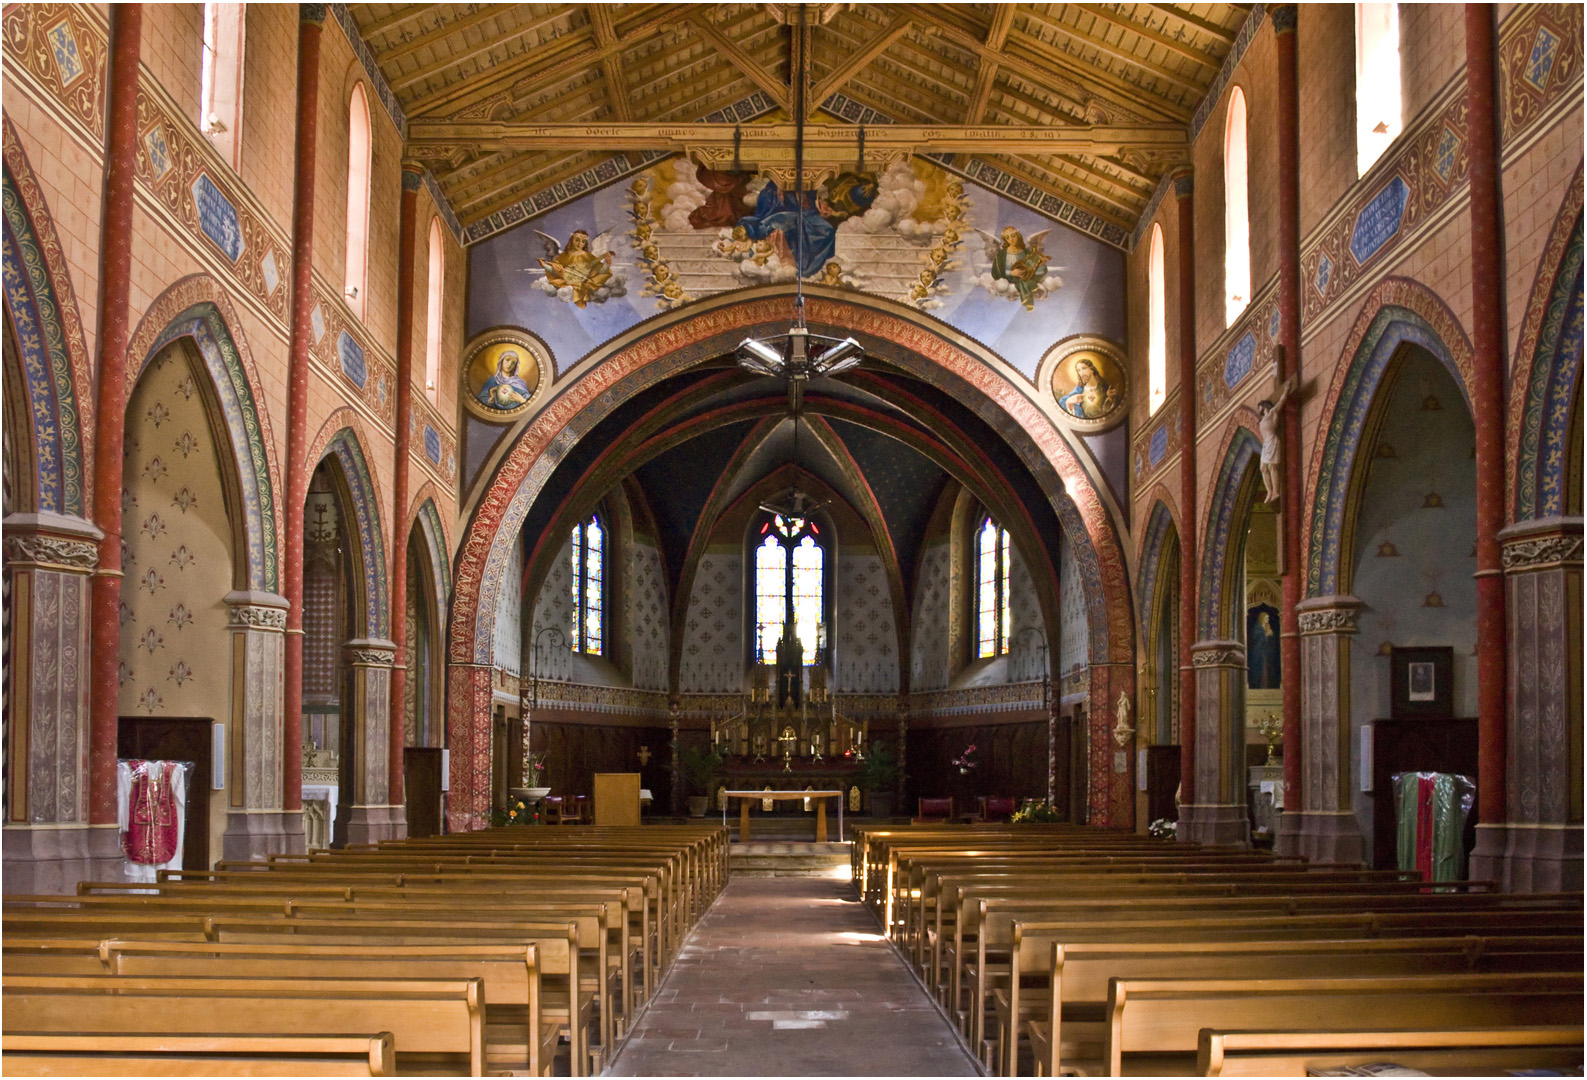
x=799, y=355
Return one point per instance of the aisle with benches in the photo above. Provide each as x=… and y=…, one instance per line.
x=790, y=976
x=1062, y=950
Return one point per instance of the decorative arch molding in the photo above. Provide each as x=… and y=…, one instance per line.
x=1548, y=368
x=1241, y=451
x=342, y=438
x=48, y=334
x=197, y=308
x=661, y=348
x=1398, y=312
x=427, y=520
x=1161, y=522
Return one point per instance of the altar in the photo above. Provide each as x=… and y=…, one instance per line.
x=747, y=797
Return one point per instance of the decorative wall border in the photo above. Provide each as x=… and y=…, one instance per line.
x=1002, y=697
x=1158, y=440
x=1547, y=367
x=67, y=50
x=51, y=350
x=1397, y=312
x=1242, y=448
x=426, y=416
x=582, y=697
x=1245, y=349
x=196, y=308
x=346, y=355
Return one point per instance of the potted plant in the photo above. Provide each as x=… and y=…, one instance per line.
x=878, y=776
x=698, y=766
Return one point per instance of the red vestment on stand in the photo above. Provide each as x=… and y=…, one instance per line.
x=153, y=819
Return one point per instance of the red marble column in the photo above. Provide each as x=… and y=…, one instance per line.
x=115, y=279
x=1488, y=348
x=311, y=20
x=412, y=178
x=1189, y=517
x=1284, y=17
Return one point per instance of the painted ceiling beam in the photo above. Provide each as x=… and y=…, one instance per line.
x=611, y=64
x=767, y=141
x=859, y=60
x=778, y=91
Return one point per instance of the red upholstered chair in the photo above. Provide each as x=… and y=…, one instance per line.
x=997, y=807
x=935, y=809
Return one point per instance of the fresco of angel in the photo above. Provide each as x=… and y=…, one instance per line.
x=582, y=272
x=1019, y=266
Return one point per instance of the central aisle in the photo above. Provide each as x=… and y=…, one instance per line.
x=788, y=976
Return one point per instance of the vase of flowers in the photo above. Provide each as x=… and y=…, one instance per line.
x=965, y=761
x=534, y=775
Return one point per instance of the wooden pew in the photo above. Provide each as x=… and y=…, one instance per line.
x=199, y=1055
x=1485, y=1051
x=439, y=1023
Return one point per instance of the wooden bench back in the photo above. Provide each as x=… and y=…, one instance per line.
x=1481, y=1051
x=199, y=1055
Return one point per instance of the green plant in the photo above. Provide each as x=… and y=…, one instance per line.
x=698, y=766
x=1035, y=812
x=880, y=769
x=515, y=813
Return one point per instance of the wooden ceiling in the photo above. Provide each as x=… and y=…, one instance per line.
x=1125, y=79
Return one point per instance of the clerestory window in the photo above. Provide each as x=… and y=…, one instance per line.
x=790, y=586
x=589, y=587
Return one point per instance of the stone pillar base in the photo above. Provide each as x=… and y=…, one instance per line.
x=1529, y=858
x=1215, y=823
x=54, y=858
x=263, y=832
x=372, y=824
x=1327, y=836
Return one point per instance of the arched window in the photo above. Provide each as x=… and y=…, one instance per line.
x=1156, y=324
x=432, y=325
x=992, y=555
x=589, y=587
x=357, y=199
x=220, y=78
x=790, y=584
x=1377, y=81
x=1236, y=213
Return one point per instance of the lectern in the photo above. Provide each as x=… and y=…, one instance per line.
x=617, y=798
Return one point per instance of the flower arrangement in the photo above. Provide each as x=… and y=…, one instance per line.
x=965, y=761
x=1035, y=812
x=515, y=813
x=1163, y=829
x=534, y=768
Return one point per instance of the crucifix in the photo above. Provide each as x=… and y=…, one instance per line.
x=789, y=680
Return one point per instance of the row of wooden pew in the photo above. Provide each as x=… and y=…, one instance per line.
x=514, y=951
x=1059, y=950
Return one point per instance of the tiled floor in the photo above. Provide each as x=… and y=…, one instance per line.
x=790, y=976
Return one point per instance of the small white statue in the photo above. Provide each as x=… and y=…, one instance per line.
x=1269, y=416
x=1122, y=730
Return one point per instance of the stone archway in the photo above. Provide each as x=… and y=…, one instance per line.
x=669, y=344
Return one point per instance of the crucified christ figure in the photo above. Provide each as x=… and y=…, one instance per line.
x=1268, y=419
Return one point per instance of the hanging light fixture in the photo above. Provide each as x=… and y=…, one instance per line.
x=799, y=355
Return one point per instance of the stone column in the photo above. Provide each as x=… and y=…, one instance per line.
x=256, y=824
x=1218, y=816
x=1287, y=104
x=48, y=844
x=468, y=742
x=1189, y=513
x=311, y=17
x=110, y=411
x=1321, y=822
x=1488, y=377
x=412, y=178
x=1112, y=764
x=1541, y=838
x=367, y=710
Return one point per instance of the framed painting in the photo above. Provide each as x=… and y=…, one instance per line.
x=504, y=372
x=1422, y=683
x=1089, y=381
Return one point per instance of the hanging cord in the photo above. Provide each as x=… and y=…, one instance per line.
x=799, y=171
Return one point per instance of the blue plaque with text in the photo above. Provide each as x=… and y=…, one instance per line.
x=1378, y=221
x=217, y=217
x=352, y=357
x=1241, y=358
x=1157, y=449
x=432, y=444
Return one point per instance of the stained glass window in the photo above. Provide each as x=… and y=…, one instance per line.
x=790, y=575
x=771, y=574
x=807, y=565
x=589, y=587
x=992, y=561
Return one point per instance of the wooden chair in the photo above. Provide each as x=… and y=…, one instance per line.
x=997, y=807
x=935, y=809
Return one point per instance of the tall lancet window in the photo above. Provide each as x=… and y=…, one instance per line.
x=1156, y=324
x=992, y=557
x=358, y=168
x=589, y=587
x=1236, y=212
x=1378, y=107
x=790, y=584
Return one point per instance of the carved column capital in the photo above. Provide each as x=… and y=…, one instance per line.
x=52, y=542
x=1327, y=615
x=252, y=610
x=1541, y=544
x=369, y=652
x=1284, y=18
x=1209, y=654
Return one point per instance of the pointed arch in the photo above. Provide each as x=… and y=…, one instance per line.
x=196, y=308
x=427, y=519
x=52, y=354
x=1162, y=527
x=341, y=438
x=1231, y=495
x=1548, y=369
x=668, y=344
x=1398, y=312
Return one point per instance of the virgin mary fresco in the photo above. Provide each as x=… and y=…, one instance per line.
x=504, y=390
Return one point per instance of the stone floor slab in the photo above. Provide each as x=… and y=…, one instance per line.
x=789, y=976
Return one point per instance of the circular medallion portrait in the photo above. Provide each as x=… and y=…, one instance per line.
x=503, y=371
x=1090, y=384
